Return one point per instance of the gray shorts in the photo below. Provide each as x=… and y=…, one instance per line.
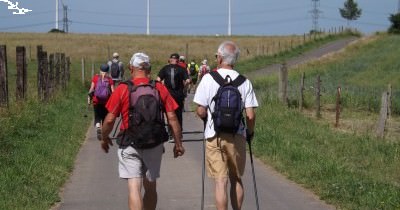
x=135, y=163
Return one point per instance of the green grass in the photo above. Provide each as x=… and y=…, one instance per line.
x=39, y=143
x=348, y=170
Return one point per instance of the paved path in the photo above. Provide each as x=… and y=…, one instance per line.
x=95, y=185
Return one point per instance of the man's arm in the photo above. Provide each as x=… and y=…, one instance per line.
x=177, y=133
x=201, y=112
x=250, y=119
x=108, y=125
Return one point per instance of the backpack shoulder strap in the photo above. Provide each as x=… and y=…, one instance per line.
x=129, y=83
x=218, y=78
x=238, y=81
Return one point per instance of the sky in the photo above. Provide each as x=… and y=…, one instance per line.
x=193, y=17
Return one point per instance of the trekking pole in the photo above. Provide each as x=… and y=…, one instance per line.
x=254, y=176
x=116, y=128
x=204, y=166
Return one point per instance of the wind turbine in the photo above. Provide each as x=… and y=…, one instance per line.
x=56, y=14
x=148, y=18
x=229, y=18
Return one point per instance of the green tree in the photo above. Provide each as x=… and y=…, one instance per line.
x=395, y=27
x=350, y=11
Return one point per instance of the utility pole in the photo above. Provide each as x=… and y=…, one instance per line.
x=56, y=14
x=315, y=14
x=398, y=7
x=148, y=18
x=229, y=19
x=65, y=19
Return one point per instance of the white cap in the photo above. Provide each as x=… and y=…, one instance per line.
x=138, y=59
x=115, y=55
x=204, y=61
x=181, y=57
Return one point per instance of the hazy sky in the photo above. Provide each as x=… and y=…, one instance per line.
x=193, y=17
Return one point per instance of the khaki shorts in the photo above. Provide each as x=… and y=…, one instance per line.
x=226, y=155
x=136, y=163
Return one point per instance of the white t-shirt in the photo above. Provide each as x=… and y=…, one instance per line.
x=207, y=89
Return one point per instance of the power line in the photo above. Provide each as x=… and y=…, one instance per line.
x=27, y=26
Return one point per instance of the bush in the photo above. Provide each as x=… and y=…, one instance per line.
x=395, y=27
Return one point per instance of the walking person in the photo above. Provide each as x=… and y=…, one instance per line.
x=204, y=69
x=193, y=71
x=175, y=78
x=141, y=103
x=225, y=131
x=116, y=69
x=100, y=91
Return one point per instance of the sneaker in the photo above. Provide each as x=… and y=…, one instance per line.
x=98, y=132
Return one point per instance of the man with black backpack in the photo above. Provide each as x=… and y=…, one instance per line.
x=175, y=78
x=116, y=69
x=221, y=97
x=142, y=104
x=193, y=71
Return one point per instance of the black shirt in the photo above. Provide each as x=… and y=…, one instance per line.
x=174, y=76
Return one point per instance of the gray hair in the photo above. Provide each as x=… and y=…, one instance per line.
x=229, y=52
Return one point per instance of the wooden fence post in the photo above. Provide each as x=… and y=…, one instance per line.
x=318, y=97
x=68, y=64
x=3, y=76
x=301, y=98
x=57, y=70
x=283, y=84
x=51, y=82
x=338, y=102
x=83, y=71
x=92, y=69
x=389, y=100
x=45, y=76
x=380, y=130
x=21, y=73
x=39, y=51
x=62, y=69
x=187, y=52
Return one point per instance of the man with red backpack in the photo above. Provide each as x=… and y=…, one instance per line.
x=141, y=102
x=100, y=91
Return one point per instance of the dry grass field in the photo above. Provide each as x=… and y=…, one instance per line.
x=97, y=48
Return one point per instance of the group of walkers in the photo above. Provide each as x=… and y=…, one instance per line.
x=143, y=104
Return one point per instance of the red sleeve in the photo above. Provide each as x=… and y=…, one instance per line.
x=110, y=81
x=114, y=103
x=95, y=78
x=169, y=102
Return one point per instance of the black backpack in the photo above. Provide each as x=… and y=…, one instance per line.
x=228, y=108
x=114, y=69
x=146, y=127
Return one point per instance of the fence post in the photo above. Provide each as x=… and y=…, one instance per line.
x=283, y=84
x=380, y=130
x=92, y=69
x=301, y=98
x=3, y=76
x=45, y=75
x=68, y=64
x=389, y=100
x=21, y=73
x=39, y=51
x=338, y=102
x=83, y=71
x=57, y=69
x=62, y=69
x=187, y=52
x=318, y=97
x=51, y=82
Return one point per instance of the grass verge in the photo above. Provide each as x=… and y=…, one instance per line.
x=39, y=146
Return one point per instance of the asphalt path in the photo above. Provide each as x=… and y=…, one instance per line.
x=94, y=183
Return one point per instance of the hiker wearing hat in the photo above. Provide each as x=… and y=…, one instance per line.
x=100, y=90
x=182, y=63
x=142, y=104
x=222, y=96
x=116, y=68
x=175, y=78
x=204, y=69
